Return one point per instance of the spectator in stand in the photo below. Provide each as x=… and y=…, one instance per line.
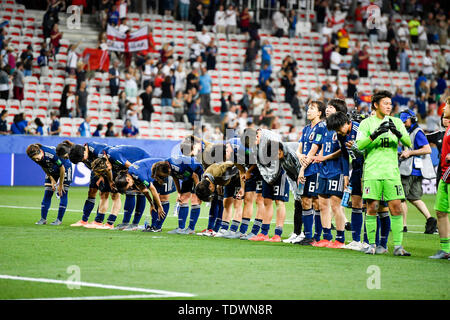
x=131, y=88
x=72, y=59
x=245, y=100
x=4, y=84
x=192, y=80
x=242, y=122
x=129, y=131
x=251, y=54
x=392, y=55
x=27, y=59
x=337, y=18
x=288, y=64
x=81, y=100
x=133, y=114
x=253, y=33
x=427, y=63
x=149, y=71
x=335, y=61
x=219, y=20
x=280, y=22
x=98, y=131
x=264, y=74
x=80, y=73
x=43, y=60
x=180, y=78
x=443, y=32
x=400, y=99
x=18, y=82
x=223, y=105
x=321, y=13
x=205, y=86
x=49, y=19
x=122, y=7
x=166, y=92
x=110, y=130
x=178, y=106
x=266, y=53
x=327, y=50
x=10, y=59
x=391, y=31
x=84, y=130
x=267, y=87
x=194, y=110
x=4, y=123
x=55, y=37
x=363, y=67
x=413, y=25
x=441, y=84
x=441, y=62
x=288, y=82
x=198, y=18
x=210, y=54
x=123, y=26
x=418, y=83
x=231, y=20
x=196, y=50
x=297, y=105
x=352, y=82
x=244, y=18
x=431, y=28
x=359, y=28
x=404, y=58
x=113, y=16
x=422, y=106
x=166, y=52
x=403, y=32
x=114, y=78
x=204, y=38
x=55, y=128
x=292, y=20
x=20, y=125
x=67, y=92
x=343, y=39
x=146, y=101
x=183, y=6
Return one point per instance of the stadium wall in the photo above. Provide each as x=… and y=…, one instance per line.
x=16, y=169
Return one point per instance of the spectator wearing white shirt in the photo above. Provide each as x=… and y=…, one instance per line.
x=72, y=59
x=422, y=33
x=231, y=19
x=180, y=78
x=131, y=88
x=220, y=23
x=196, y=50
x=204, y=38
x=403, y=32
x=427, y=65
x=122, y=8
x=335, y=61
x=280, y=22
x=327, y=32
x=123, y=27
x=133, y=114
x=148, y=72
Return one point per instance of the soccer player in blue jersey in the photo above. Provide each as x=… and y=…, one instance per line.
x=58, y=176
x=307, y=150
x=332, y=179
x=186, y=173
x=114, y=160
x=140, y=176
x=87, y=153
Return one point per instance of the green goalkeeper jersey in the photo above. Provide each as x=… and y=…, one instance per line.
x=381, y=160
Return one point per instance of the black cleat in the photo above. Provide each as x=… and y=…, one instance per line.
x=306, y=242
x=149, y=229
x=348, y=226
x=430, y=226
x=405, y=229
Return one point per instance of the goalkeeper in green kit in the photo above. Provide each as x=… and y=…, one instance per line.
x=379, y=136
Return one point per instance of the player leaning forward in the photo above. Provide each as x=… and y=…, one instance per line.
x=379, y=136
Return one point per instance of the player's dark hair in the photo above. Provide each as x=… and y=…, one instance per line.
x=202, y=190
x=159, y=168
x=248, y=137
x=76, y=153
x=339, y=104
x=99, y=167
x=380, y=95
x=320, y=106
x=336, y=120
x=33, y=149
x=63, y=149
x=121, y=181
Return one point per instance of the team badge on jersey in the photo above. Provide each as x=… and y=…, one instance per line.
x=367, y=190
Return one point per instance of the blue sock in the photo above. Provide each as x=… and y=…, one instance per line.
x=219, y=216
x=100, y=217
x=128, y=207
x=385, y=223
x=89, y=205
x=46, y=203
x=340, y=236
x=308, y=221
x=62, y=205
x=234, y=225
x=256, y=226
x=213, y=211
x=317, y=226
x=366, y=240
x=217, y=224
x=265, y=228
x=356, y=222
x=244, y=225
x=195, y=213
x=111, y=219
x=327, y=234
x=278, y=231
x=377, y=234
x=166, y=207
x=225, y=225
x=140, y=207
x=182, y=215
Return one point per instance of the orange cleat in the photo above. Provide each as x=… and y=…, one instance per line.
x=275, y=238
x=106, y=226
x=93, y=225
x=336, y=245
x=322, y=243
x=259, y=237
x=80, y=223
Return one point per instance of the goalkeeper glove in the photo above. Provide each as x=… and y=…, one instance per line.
x=383, y=128
x=394, y=130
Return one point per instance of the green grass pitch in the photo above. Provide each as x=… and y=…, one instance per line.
x=118, y=264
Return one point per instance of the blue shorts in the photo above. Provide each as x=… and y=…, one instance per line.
x=356, y=182
x=104, y=185
x=187, y=186
x=231, y=189
x=254, y=184
x=167, y=188
x=310, y=188
x=67, y=178
x=279, y=190
x=333, y=186
x=93, y=182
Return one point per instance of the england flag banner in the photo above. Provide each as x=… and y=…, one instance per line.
x=131, y=42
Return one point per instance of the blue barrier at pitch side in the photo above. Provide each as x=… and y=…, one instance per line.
x=19, y=170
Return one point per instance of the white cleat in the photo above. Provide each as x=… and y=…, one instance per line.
x=291, y=238
x=355, y=245
x=222, y=233
x=299, y=238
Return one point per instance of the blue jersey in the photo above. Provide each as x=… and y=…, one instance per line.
x=357, y=159
x=183, y=167
x=51, y=162
x=141, y=170
x=330, y=144
x=119, y=155
x=310, y=136
x=95, y=151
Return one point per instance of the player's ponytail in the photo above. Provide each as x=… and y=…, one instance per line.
x=99, y=167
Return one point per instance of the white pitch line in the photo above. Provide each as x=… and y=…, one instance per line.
x=154, y=293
